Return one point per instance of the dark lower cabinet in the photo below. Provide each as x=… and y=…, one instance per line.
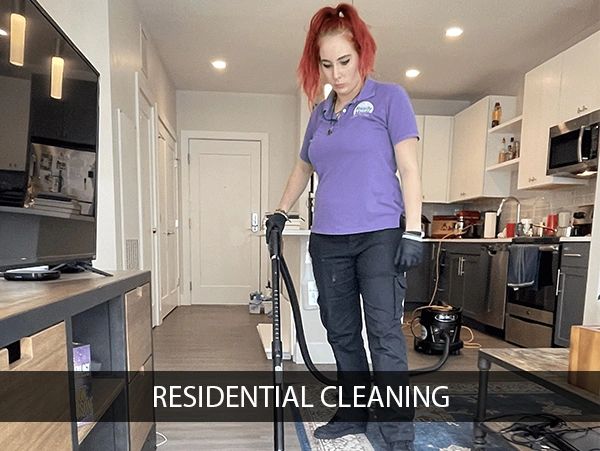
x=466, y=277
x=572, y=282
x=421, y=279
x=473, y=277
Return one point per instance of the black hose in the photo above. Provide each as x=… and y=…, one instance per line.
x=289, y=285
x=439, y=363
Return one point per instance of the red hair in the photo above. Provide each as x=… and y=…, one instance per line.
x=328, y=20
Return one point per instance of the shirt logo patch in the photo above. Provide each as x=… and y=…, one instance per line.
x=363, y=108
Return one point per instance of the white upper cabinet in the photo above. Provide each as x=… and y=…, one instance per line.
x=543, y=100
x=435, y=167
x=474, y=149
x=580, y=82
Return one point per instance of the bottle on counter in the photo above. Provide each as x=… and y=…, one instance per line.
x=496, y=115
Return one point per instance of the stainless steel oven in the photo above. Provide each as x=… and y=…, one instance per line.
x=530, y=310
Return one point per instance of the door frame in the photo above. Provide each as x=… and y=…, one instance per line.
x=162, y=124
x=184, y=149
x=143, y=89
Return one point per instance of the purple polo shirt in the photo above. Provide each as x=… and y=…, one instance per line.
x=354, y=158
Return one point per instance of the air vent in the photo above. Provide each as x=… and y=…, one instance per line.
x=132, y=254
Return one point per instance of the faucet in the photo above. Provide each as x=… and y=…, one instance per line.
x=499, y=212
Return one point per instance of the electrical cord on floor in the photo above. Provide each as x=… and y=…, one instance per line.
x=470, y=343
x=540, y=434
x=164, y=437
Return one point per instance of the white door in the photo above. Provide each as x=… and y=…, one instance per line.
x=168, y=221
x=224, y=189
x=149, y=258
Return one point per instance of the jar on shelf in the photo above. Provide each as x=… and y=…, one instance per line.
x=496, y=115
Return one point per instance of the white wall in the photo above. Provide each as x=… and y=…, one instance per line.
x=125, y=61
x=125, y=55
x=276, y=115
x=107, y=32
x=87, y=27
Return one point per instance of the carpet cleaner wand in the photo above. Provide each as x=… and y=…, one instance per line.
x=279, y=269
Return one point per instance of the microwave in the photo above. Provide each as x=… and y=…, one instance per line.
x=573, y=146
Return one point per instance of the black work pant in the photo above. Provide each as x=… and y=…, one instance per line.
x=345, y=267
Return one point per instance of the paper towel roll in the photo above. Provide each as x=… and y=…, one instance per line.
x=489, y=230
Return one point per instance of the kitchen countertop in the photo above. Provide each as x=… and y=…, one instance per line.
x=469, y=240
x=584, y=239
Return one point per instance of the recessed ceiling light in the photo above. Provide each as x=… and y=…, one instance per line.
x=412, y=73
x=219, y=64
x=454, y=32
x=3, y=33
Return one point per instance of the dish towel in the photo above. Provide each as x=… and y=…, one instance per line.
x=523, y=265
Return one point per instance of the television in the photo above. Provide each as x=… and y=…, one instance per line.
x=48, y=142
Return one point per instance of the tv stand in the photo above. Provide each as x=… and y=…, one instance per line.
x=79, y=267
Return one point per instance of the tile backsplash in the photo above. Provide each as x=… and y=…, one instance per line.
x=535, y=204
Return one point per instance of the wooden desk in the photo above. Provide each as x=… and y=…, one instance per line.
x=547, y=367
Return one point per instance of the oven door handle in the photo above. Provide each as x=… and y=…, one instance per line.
x=548, y=248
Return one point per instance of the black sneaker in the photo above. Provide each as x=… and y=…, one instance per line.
x=402, y=446
x=336, y=428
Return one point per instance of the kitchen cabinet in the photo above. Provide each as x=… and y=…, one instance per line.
x=421, y=279
x=540, y=112
x=474, y=149
x=580, y=84
x=433, y=153
x=570, y=290
x=434, y=156
x=473, y=277
x=466, y=280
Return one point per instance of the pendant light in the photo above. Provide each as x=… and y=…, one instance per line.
x=17, y=35
x=56, y=78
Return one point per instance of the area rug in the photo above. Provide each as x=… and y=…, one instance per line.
x=442, y=429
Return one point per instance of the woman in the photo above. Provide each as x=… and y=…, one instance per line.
x=355, y=140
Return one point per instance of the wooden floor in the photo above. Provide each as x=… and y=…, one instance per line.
x=225, y=338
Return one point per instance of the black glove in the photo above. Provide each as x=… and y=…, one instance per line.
x=410, y=251
x=276, y=221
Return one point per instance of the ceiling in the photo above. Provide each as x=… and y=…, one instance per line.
x=261, y=40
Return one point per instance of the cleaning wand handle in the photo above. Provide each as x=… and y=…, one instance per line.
x=276, y=343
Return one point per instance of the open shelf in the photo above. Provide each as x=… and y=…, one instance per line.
x=506, y=165
x=104, y=392
x=511, y=127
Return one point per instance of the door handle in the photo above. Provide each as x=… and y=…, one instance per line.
x=580, y=144
x=560, y=276
x=254, y=223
